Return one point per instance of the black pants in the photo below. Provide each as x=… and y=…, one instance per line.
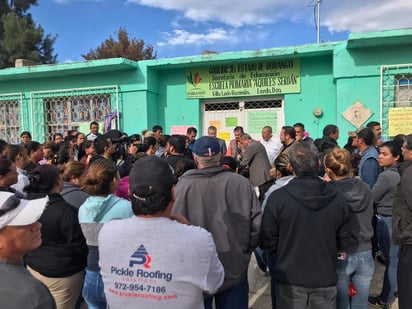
x=295, y=297
x=405, y=277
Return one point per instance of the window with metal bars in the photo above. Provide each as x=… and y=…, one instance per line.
x=396, y=91
x=223, y=106
x=230, y=106
x=10, y=119
x=263, y=104
x=67, y=112
x=61, y=110
x=403, y=90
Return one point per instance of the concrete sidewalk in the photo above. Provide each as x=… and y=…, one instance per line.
x=259, y=287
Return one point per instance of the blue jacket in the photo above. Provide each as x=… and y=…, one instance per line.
x=369, y=166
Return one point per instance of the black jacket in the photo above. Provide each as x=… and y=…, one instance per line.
x=402, y=207
x=325, y=143
x=304, y=224
x=63, y=251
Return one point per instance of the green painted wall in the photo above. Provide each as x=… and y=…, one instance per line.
x=174, y=108
x=317, y=91
x=357, y=77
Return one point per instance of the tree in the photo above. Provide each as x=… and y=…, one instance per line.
x=20, y=37
x=125, y=47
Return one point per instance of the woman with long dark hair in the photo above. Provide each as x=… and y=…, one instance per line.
x=390, y=155
x=61, y=259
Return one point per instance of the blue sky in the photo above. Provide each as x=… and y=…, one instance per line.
x=179, y=28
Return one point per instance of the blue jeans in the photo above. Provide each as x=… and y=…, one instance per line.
x=358, y=267
x=260, y=256
x=391, y=253
x=236, y=296
x=297, y=297
x=93, y=292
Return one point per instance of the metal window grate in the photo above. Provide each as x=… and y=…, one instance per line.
x=403, y=90
x=230, y=106
x=396, y=91
x=222, y=106
x=10, y=117
x=62, y=110
x=263, y=104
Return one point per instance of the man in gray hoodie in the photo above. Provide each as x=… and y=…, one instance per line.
x=225, y=204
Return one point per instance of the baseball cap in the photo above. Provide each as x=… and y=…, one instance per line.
x=206, y=146
x=355, y=133
x=150, y=177
x=18, y=212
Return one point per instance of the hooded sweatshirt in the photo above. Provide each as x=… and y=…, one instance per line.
x=304, y=223
x=359, y=197
x=96, y=211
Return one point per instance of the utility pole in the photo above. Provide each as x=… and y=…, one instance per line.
x=318, y=20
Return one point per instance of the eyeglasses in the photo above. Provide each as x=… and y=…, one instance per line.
x=11, y=203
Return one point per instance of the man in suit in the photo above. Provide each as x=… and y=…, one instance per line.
x=256, y=161
x=288, y=139
x=235, y=150
x=212, y=131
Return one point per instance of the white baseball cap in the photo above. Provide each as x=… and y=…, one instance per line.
x=19, y=212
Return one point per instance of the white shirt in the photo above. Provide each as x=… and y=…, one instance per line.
x=22, y=181
x=157, y=263
x=272, y=147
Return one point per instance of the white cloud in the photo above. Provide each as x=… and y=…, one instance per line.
x=69, y=60
x=182, y=37
x=232, y=13
x=356, y=16
x=337, y=15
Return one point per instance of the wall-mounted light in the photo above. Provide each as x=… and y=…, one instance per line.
x=317, y=112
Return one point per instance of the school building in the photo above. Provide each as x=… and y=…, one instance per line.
x=347, y=83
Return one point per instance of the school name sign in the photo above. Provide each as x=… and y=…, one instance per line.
x=250, y=79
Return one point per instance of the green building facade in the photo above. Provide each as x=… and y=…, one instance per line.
x=348, y=83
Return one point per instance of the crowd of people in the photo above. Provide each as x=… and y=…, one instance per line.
x=171, y=221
